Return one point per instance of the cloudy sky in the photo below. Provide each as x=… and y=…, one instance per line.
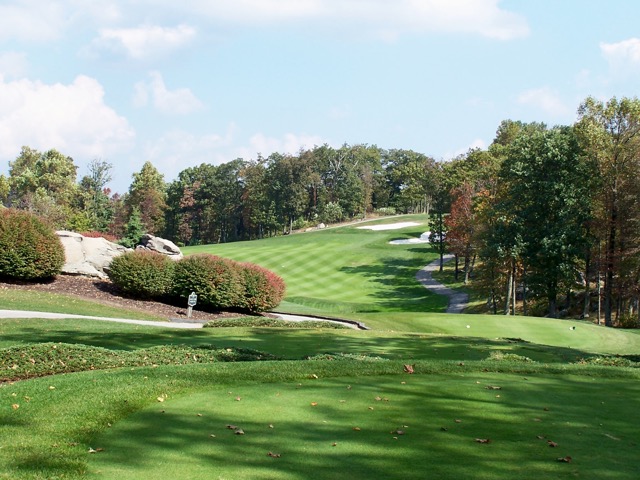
x=182, y=83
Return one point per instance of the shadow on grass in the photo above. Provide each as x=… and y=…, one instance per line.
x=400, y=291
x=290, y=344
x=385, y=427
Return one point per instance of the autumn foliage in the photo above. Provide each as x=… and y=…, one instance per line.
x=221, y=283
x=29, y=249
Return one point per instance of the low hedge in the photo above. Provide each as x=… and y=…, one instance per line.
x=29, y=249
x=262, y=289
x=215, y=280
x=219, y=283
x=142, y=273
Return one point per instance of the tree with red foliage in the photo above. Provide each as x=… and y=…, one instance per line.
x=460, y=227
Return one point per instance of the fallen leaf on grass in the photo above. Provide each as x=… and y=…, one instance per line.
x=15, y=406
x=314, y=404
x=239, y=431
x=91, y=450
x=552, y=444
x=493, y=387
x=458, y=420
x=409, y=368
x=357, y=429
x=232, y=427
x=483, y=440
x=398, y=432
x=566, y=459
x=238, y=399
x=273, y=455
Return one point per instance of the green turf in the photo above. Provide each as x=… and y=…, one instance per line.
x=383, y=427
x=14, y=299
x=343, y=271
x=553, y=385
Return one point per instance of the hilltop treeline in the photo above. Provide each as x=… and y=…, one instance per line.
x=542, y=214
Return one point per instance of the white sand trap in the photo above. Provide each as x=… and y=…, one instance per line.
x=390, y=226
x=424, y=238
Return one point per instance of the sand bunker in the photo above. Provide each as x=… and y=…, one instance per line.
x=424, y=238
x=390, y=226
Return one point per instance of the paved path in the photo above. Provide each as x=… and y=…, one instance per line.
x=170, y=324
x=29, y=314
x=458, y=301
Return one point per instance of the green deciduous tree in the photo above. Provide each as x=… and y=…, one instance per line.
x=148, y=193
x=610, y=135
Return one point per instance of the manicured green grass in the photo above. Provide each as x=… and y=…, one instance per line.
x=383, y=427
x=346, y=271
x=334, y=418
x=588, y=413
x=14, y=299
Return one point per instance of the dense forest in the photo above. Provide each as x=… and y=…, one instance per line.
x=545, y=215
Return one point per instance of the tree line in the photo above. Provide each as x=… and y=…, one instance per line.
x=545, y=215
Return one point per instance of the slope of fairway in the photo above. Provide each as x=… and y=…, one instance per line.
x=345, y=270
x=409, y=427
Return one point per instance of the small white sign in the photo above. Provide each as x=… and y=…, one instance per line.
x=193, y=299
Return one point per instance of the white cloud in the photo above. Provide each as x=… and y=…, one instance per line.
x=289, y=143
x=544, y=99
x=140, y=43
x=13, y=64
x=627, y=51
x=623, y=57
x=31, y=20
x=477, y=143
x=387, y=19
x=178, y=149
x=180, y=101
x=71, y=118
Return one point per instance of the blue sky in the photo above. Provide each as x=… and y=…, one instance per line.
x=182, y=83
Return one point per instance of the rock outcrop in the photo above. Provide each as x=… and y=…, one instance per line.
x=88, y=256
x=160, y=245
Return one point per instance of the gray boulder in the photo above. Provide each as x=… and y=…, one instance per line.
x=88, y=256
x=160, y=245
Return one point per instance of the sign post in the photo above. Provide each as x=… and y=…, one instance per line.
x=193, y=299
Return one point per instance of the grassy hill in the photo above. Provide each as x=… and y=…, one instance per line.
x=491, y=397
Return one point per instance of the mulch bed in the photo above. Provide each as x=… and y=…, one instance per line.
x=106, y=293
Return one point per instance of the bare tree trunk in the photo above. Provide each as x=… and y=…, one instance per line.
x=586, y=305
x=467, y=268
x=513, y=290
x=507, y=303
x=457, y=269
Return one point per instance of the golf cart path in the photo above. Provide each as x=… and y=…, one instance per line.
x=149, y=323
x=458, y=300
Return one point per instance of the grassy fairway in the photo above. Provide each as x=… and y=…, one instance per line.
x=383, y=427
x=346, y=271
x=536, y=389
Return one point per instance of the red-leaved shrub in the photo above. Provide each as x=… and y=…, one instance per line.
x=29, y=249
x=263, y=289
x=215, y=280
x=106, y=236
